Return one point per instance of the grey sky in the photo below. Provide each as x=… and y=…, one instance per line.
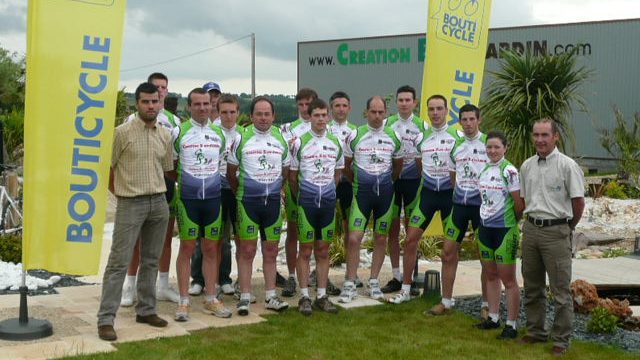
x=157, y=30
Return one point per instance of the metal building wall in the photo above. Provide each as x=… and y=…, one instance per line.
x=610, y=48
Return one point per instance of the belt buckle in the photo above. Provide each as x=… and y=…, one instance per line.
x=538, y=222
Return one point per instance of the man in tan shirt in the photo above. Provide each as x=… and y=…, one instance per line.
x=552, y=185
x=141, y=155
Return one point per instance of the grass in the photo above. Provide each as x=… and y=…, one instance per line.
x=378, y=332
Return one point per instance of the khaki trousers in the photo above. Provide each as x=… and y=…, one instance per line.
x=547, y=251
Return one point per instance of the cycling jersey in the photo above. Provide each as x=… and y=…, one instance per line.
x=497, y=181
x=407, y=130
x=199, y=150
x=342, y=131
x=230, y=137
x=295, y=129
x=261, y=156
x=469, y=157
x=165, y=118
x=316, y=157
x=373, y=151
x=435, y=146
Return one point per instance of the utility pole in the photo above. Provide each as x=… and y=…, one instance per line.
x=253, y=65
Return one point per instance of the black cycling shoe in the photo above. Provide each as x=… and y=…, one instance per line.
x=415, y=290
x=488, y=325
x=332, y=289
x=392, y=286
x=281, y=281
x=508, y=333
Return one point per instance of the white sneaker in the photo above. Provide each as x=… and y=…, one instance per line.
x=167, y=294
x=400, y=298
x=128, y=294
x=227, y=289
x=195, y=289
x=348, y=293
x=374, y=290
x=274, y=303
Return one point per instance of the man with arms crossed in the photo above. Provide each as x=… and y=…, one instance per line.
x=373, y=160
x=198, y=149
x=552, y=185
x=261, y=156
x=316, y=164
x=140, y=157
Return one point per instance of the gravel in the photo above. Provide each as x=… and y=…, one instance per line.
x=624, y=339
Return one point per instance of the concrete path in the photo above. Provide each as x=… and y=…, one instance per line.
x=73, y=311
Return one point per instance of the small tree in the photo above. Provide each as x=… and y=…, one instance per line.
x=527, y=88
x=623, y=143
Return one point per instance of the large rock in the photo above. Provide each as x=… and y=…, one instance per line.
x=585, y=299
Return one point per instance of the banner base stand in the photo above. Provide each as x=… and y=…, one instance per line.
x=24, y=328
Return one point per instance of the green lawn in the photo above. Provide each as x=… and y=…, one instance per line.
x=379, y=332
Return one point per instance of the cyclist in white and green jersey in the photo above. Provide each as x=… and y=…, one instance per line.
x=341, y=128
x=469, y=157
x=198, y=150
x=499, y=234
x=408, y=127
x=163, y=291
x=229, y=110
x=261, y=156
x=316, y=164
x=373, y=160
x=434, y=147
x=292, y=131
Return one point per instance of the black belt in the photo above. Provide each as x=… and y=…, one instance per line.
x=546, y=222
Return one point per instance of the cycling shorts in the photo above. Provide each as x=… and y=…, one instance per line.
x=316, y=223
x=290, y=204
x=429, y=202
x=458, y=222
x=344, y=193
x=365, y=203
x=199, y=219
x=499, y=245
x=406, y=191
x=260, y=218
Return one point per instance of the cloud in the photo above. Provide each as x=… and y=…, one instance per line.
x=13, y=16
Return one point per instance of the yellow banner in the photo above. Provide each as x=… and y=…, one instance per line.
x=73, y=63
x=457, y=33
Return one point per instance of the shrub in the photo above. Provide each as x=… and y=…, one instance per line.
x=337, y=251
x=602, y=321
x=11, y=248
x=614, y=252
x=429, y=247
x=615, y=190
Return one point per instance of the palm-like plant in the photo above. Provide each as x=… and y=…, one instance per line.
x=527, y=88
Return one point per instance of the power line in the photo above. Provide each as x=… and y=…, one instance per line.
x=185, y=56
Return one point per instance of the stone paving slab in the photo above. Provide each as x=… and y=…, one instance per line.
x=73, y=311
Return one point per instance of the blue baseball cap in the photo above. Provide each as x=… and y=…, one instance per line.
x=211, y=86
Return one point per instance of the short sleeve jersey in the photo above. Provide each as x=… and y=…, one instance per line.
x=230, y=137
x=407, y=130
x=548, y=185
x=199, y=150
x=497, y=181
x=316, y=158
x=373, y=151
x=165, y=118
x=469, y=157
x=295, y=129
x=260, y=157
x=342, y=131
x=434, y=146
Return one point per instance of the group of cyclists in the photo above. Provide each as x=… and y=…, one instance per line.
x=394, y=167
